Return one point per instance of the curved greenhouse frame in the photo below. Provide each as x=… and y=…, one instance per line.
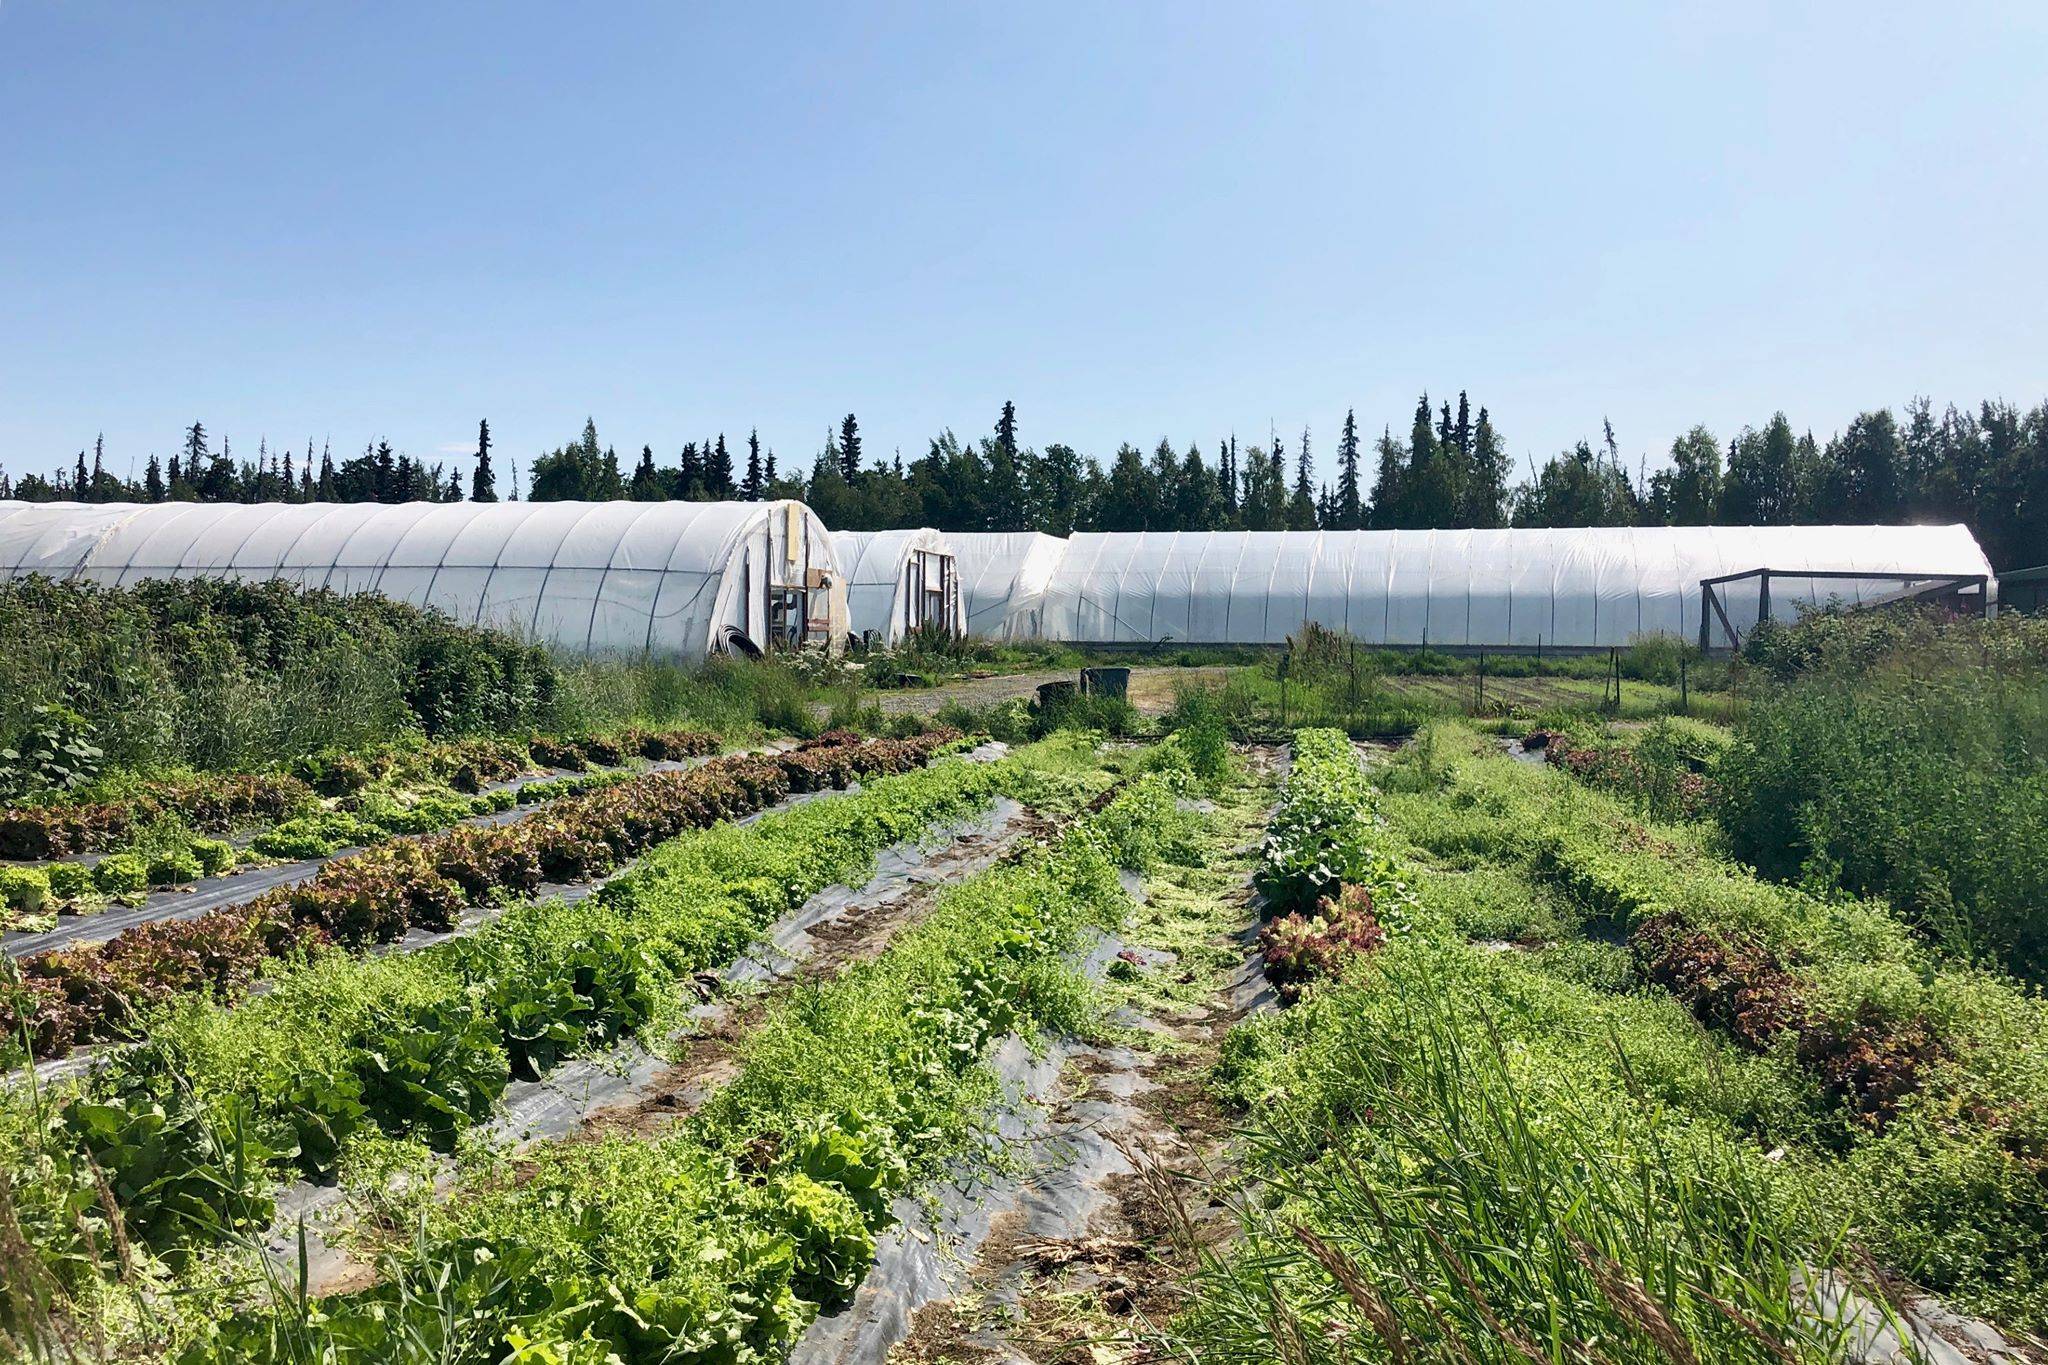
x=898, y=582
x=674, y=579
x=1581, y=588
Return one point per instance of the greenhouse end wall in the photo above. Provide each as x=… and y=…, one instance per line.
x=897, y=581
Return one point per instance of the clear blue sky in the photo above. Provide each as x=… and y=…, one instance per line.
x=363, y=220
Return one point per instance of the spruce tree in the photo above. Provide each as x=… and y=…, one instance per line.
x=690, y=474
x=483, y=483
x=1461, y=433
x=718, y=476
x=1348, y=511
x=325, y=491
x=1006, y=430
x=1387, y=511
x=385, y=488
x=646, y=478
x=752, y=490
x=1486, y=483
x=153, y=480
x=1301, y=506
x=1003, y=508
x=849, y=449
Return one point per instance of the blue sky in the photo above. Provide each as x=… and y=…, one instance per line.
x=364, y=220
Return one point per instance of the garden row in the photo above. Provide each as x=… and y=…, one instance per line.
x=1429, y=1101
x=724, y=1236
x=1909, y=1089
x=415, y=791
x=56, y=1000
x=223, y=803
x=193, y=1128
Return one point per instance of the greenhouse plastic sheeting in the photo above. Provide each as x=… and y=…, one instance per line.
x=1524, y=588
x=878, y=564
x=597, y=577
x=1003, y=576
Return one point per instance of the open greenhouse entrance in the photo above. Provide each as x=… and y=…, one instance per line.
x=1733, y=605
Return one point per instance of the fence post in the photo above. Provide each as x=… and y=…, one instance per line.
x=1479, y=699
x=1684, y=696
x=1351, y=695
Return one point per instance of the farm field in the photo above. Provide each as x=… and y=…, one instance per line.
x=1008, y=1032
x=1023, y=684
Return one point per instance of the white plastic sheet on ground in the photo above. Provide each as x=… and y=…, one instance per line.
x=665, y=578
x=1524, y=588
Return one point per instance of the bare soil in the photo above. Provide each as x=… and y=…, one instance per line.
x=1152, y=689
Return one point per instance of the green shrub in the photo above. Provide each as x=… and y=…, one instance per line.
x=216, y=673
x=1924, y=781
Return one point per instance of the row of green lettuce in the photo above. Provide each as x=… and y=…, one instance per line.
x=194, y=1127
x=1646, y=1070
x=417, y=798
x=722, y=1237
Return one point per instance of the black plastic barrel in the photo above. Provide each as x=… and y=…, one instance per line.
x=1106, y=682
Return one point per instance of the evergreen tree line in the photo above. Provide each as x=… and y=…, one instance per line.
x=1986, y=467
x=199, y=473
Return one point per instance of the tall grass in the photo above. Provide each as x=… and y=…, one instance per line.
x=223, y=675
x=1904, y=757
x=218, y=675
x=1443, y=1181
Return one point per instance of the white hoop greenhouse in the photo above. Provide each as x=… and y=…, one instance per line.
x=898, y=582
x=1003, y=577
x=1565, y=589
x=675, y=579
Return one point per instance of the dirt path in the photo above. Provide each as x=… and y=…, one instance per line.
x=1152, y=689
x=1095, y=1253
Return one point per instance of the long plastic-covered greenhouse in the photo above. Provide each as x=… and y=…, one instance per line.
x=1580, y=588
x=676, y=579
x=1003, y=578
x=898, y=582
x=683, y=579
